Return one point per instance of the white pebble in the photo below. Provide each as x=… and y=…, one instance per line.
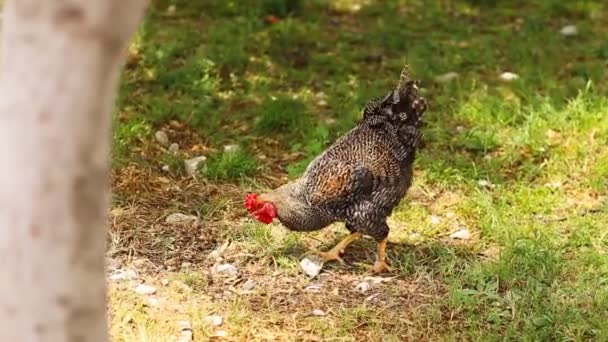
x=461, y=234
x=569, y=30
x=174, y=148
x=318, y=312
x=231, y=148
x=214, y=320
x=509, y=76
x=485, y=183
x=312, y=265
x=363, y=287
x=153, y=302
x=447, y=77
x=145, y=290
x=435, y=220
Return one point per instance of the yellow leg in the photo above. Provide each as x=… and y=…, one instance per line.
x=380, y=264
x=334, y=253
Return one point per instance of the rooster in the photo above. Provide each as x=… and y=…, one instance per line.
x=358, y=180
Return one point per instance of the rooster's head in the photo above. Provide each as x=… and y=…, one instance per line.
x=263, y=211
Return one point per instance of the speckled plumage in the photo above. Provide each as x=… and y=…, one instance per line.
x=364, y=174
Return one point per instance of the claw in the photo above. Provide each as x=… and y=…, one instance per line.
x=380, y=267
x=327, y=256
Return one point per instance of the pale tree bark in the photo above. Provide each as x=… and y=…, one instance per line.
x=59, y=67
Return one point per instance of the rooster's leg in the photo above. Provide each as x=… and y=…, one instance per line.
x=334, y=253
x=380, y=264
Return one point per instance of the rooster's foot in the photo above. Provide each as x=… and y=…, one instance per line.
x=380, y=267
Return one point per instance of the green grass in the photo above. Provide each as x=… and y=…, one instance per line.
x=291, y=88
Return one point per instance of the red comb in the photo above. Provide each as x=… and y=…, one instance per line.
x=250, y=201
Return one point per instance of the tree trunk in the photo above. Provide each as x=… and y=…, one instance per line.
x=59, y=69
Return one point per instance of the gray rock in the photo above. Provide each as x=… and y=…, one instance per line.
x=249, y=285
x=123, y=274
x=435, y=220
x=162, y=138
x=227, y=270
x=145, y=290
x=173, y=148
x=179, y=218
x=363, y=286
x=312, y=265
x=461, y=234
x=192, y=165
x=185, y=329
x=214, y=320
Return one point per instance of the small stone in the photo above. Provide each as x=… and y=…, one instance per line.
x=509, y=76
x=192, y=165
x=450, y=215
x=179, y=218
x=322, y=103
x=435, y=220
x=569, y=30
x=460, y=129
x=145, y=290
x=166, y=168
x=186, y=264
x=313, y=288
x=231, y=148
x=153, y=302
x=221, y=333
x=171, y=9
x=173, y=148
x=227, y=270
x=121, y=275
x=185, y=328
x=485, y=184
x=249, y=285
x=447, y=77
x=312, y=265
x=318, y=312
x=162, y=138
x=461, y=234
x=184, y=325
x=214, y=320
x=363, y=287
x=164, y=282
